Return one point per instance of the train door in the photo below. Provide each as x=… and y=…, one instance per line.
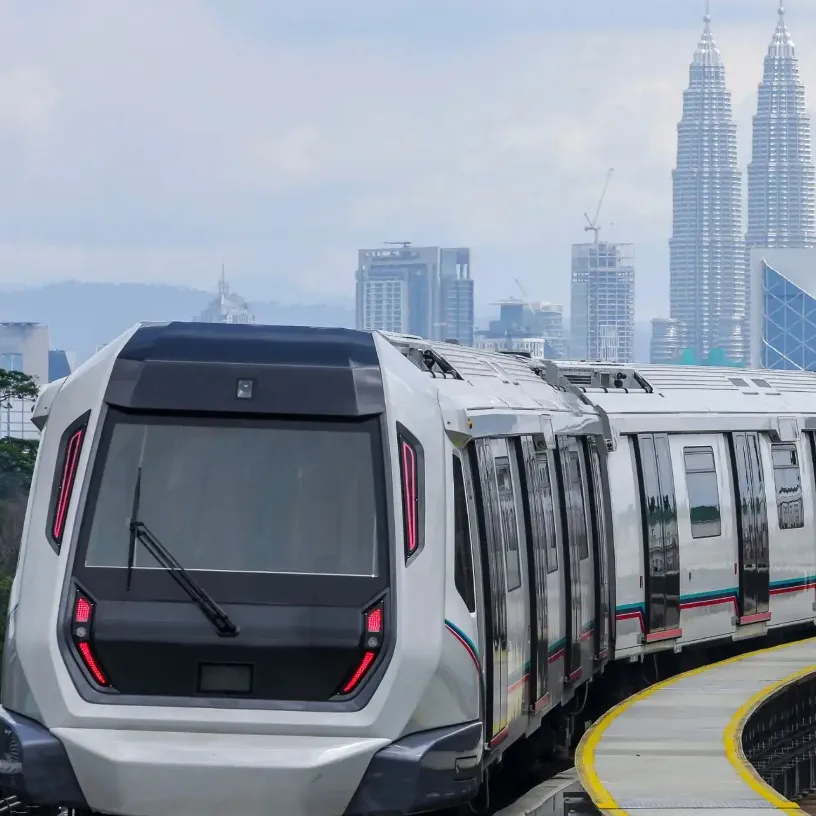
x=495, y=594
x=662, y=551
x=498, y=482
x=558, y=609
x=601, y=552
x=538, y=511
x=752, y=525
x=763, y=555
x=508, y=481
x=574, y=541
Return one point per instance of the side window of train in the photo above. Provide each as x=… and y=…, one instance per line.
x=507, y=503
x=545, y=497
x=579, y=503
x=463, y=555
x=703, y=493
x=788, y=483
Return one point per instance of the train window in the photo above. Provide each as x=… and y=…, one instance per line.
x=545, y=496
x=788, y=482
x=703, y=492
x=579, y=503
x=463, y=556
x=507, y=505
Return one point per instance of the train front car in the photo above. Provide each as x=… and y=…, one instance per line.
x=230, y=595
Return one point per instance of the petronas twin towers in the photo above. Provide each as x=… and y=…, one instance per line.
x=709, y=267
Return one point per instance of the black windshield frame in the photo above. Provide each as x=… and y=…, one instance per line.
x=110, y=583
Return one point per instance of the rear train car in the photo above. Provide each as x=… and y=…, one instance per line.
x=713, y=481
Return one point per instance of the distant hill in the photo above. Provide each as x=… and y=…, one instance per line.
x=82, y=316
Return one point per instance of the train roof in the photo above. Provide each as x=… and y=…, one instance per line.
x=476, y=379
x=627, y=389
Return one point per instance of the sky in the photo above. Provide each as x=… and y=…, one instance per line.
x=155, y=140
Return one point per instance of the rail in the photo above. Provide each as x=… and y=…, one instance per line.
x=778, y=735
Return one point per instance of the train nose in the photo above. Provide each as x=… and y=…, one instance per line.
x=149, y=773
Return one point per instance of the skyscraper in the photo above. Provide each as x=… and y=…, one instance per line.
x=708, y=288
x=781, y=176
x=781, y=209
x=456, y=309
x=602, y=302
x=426, y=291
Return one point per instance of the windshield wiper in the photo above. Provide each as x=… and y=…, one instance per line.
x=139, y=531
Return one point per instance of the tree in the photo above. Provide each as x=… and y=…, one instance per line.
x=17, y=456
x=17, y=459
x=16, y=385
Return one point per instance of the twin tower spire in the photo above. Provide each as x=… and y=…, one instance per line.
x=709, y=249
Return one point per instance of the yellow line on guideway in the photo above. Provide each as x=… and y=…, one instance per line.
x=732, y=736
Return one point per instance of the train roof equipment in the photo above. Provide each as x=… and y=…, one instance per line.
x=481, y=386
x=660, y=397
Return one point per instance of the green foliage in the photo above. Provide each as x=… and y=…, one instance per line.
x=17, y=459
x=16, y=385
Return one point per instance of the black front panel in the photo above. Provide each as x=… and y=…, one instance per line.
x=232, y=368
x=282, y=652
x=278, y=517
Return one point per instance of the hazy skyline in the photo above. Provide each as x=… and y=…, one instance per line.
x=150, y=142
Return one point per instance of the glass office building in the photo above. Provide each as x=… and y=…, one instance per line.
x=788, y=322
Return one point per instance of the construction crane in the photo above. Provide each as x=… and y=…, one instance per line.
x=509, y=332
x=592, y=224
x=526, y=297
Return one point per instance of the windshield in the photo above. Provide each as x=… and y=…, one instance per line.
x=241, y=496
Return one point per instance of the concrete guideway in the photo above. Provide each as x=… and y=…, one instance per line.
x=560, y=795
x=676, y=747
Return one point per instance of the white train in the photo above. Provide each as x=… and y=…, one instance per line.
x=336, y=573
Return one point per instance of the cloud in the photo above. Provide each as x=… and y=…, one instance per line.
x=152, y=140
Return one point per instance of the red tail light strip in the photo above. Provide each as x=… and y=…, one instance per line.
x=374, y=627
x=69, y=467
x=90, y=662
x=410, y=506
x=365, y=664
x=82, y=620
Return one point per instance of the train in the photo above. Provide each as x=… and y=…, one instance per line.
x=327, y=572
